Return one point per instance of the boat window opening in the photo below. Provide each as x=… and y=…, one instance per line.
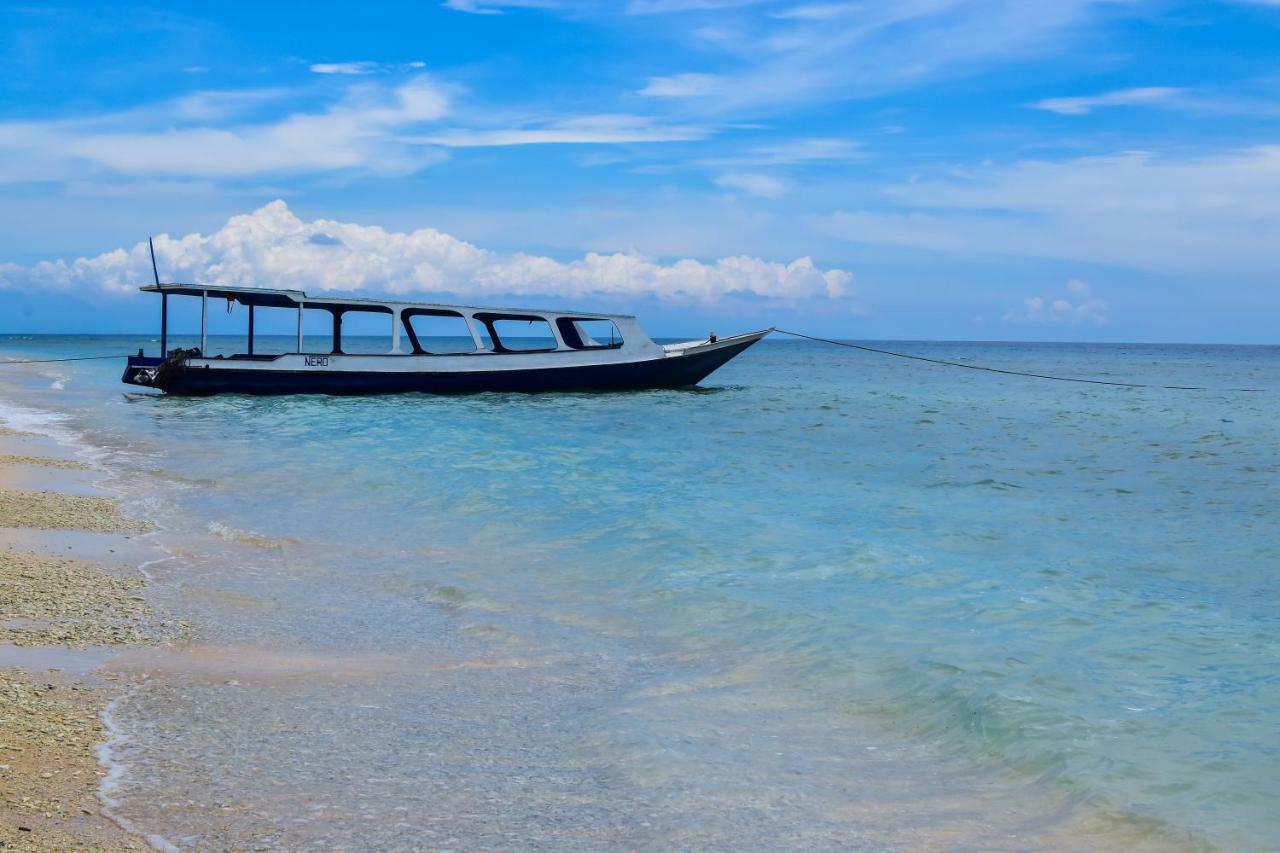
x=589, y=334
x=438, y=332
x=366, y=331
x=518, y=332
x=317, y=330
x=275, y=330
x=225, y=334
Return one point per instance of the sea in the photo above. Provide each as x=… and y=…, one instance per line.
x=830, y=599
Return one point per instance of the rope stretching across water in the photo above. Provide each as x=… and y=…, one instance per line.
x=987, y=369
x=51, y=360
x=940, y=361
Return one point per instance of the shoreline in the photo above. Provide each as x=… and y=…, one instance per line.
x=60, y=616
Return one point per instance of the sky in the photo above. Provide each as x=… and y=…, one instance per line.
x=1075, y=170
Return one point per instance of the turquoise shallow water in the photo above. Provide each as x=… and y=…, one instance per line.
x=1067, y=592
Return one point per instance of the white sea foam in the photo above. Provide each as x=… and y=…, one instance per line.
x=108, y=754
x=54, y=425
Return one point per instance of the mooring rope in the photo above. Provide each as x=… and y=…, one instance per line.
x=987, y=369
x=850, y=345
x=51, y=360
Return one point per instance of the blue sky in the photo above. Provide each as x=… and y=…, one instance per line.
x=1040, y=170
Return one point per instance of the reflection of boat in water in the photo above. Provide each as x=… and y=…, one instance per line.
x=577, y=351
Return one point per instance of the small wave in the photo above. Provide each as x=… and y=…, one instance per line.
x=986, y=482
x=227, y=533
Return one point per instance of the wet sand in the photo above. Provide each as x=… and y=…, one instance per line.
x=50, y=719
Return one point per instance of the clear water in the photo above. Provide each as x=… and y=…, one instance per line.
x=828, y=600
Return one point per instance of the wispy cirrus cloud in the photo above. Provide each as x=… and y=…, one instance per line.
x=764, y=186
x=765, y=55
x=1211, y=214
x=667, y=7
x=1138, y=96
x=689, y=85
x=345, y=67
x=792, y=152
x=777, y=55
x=605, y=129
x=495, y=7
x=362, y=67
x=817, y=11
x=368, y=126
x=273, y=247
x=358, y=131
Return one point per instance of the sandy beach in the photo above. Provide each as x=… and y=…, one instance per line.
x=51, y=701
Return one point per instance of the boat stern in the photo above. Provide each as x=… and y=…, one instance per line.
x=141, y=370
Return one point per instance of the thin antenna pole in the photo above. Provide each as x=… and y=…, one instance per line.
x=164, y=302
x=154, y=271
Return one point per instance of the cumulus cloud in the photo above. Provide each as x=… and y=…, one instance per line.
x=1141, y=96
x=1075, y=307
x=272, y=247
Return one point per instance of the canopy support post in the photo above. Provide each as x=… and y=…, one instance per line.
x=299, y=327
x=204, y=322
x=250, y=330
x=475, y=336
x=164, y=324
x=395, y=330
x=337, y=332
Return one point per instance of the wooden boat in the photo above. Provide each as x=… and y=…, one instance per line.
x=572, y=354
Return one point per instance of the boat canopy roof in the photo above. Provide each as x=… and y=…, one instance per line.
x=270, y=298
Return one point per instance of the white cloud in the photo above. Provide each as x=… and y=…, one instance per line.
x=793, y=152
x=360, y=131
x=818, y=11
x=1216, y=213
x=364, y=67
x=765, y=186
x=1077, y=307
x=663, y=7
x=371, y=127
x=469, y=6
x=680, y=86
x=781, y=55
x=611, y=128
x=272, y=247
x=770, y=54
x=495, y=7
x=1141, y=96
